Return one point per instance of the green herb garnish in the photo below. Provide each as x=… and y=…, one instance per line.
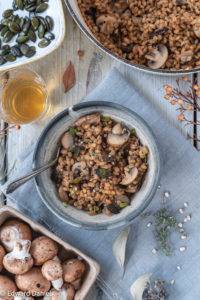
x=103, y=173
x=76, y=180
x=73, y=131
x=106, y=119
x=132, y=132
x=76, y=150
x=165, y=222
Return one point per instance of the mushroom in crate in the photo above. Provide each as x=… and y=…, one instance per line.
x=34, y=267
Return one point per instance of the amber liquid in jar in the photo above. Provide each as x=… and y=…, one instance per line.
x=23, y=100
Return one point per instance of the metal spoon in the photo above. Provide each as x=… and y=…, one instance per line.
x=20, y=181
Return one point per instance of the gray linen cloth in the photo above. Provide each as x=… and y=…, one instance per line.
x=180, y=177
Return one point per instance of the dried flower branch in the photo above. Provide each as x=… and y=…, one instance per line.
x=186, y=97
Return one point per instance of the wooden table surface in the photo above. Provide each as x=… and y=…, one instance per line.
x=90, y=70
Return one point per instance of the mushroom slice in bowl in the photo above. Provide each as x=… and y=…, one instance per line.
x=157, y=57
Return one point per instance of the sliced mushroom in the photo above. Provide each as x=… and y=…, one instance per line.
x=67, y=140
x=157, y=57
x=19, y=261
x=186, y=56
x=117, y=140
x=107, y=24
x=120, y=6
x=130, y=176
x=63, y=194
x=89, y=119
x=117, y=129
x=196, y=27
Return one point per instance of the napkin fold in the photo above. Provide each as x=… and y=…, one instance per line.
x=180, y=179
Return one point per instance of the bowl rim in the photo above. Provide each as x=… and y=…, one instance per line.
x=129, y=218
x=163, y=72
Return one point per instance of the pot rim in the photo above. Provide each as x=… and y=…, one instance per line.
x=164, y=72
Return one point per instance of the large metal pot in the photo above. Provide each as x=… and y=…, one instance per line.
x=76, y=14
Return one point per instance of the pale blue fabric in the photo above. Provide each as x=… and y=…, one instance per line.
x=180, y=176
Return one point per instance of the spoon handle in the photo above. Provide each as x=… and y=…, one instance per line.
x=20, y=181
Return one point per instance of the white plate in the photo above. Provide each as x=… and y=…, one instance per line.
x=55, y=10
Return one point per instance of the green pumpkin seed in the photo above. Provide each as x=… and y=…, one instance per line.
x=5, y=22
x=10, y=57
x=41, y=7
x=1, y=26
x=26, y=26
x=31, y=52
x=4, y=30
x=31, y=7
x=2, y=60
x=49, y=22
x=44, y=43
x=41, y=31
x=14, y=27
x=8, y=37
x=22, y=39
x=15, y=51
x=24, y=48
x=19, y=4
x=49, y=36
x=35, y=23
x=32, y=36
x=7, y=13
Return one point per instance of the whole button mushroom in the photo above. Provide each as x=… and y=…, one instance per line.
x=12, y=231
x=2, y=254
x=33, y=282
x=52, y=271
x=43, y=249
x=7, y=288
x=66, y=293
x=73, y=269
x=19, y=261
x=118, y=137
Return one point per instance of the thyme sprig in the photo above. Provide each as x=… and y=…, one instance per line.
x=165, y=223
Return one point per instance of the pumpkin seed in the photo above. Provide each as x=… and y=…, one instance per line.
x=5, y=22
x=35, y=23
x=15, y=51
x=4, y=30
x=10, y=57
x=44, y=43
x=31, y=7
x=22, y=39
x=8, y=36
x=5, y=50
x=26, y=26
x=41, y=31
x=32, y=36
x=31, y=52
x=24, y=48
x=49, y=36
x=7, y=13
x=19, y=4
x=14, y=27
x=41, y=7
x=2, y=60
x=49, y=22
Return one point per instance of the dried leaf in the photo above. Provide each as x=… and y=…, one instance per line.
x=119, y=246
x=69, y=77
x=138, y=287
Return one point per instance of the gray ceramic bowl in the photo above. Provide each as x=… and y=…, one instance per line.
x=46, y=149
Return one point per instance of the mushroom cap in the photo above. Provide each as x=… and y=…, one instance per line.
x=117, y=129
x=73, y=269
x=107, y=23
x=19, y=261
x=67, y=140
x=43, y=249
x=77, y=284
x=2, y=254
x=66, y=293
x=7, y=287
x=52, y=270
x=196, y=27
x=89, y=119
x=33, y=282
x=130, y=176
x=117, y=140
x=157, y=57
x=13, y=230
